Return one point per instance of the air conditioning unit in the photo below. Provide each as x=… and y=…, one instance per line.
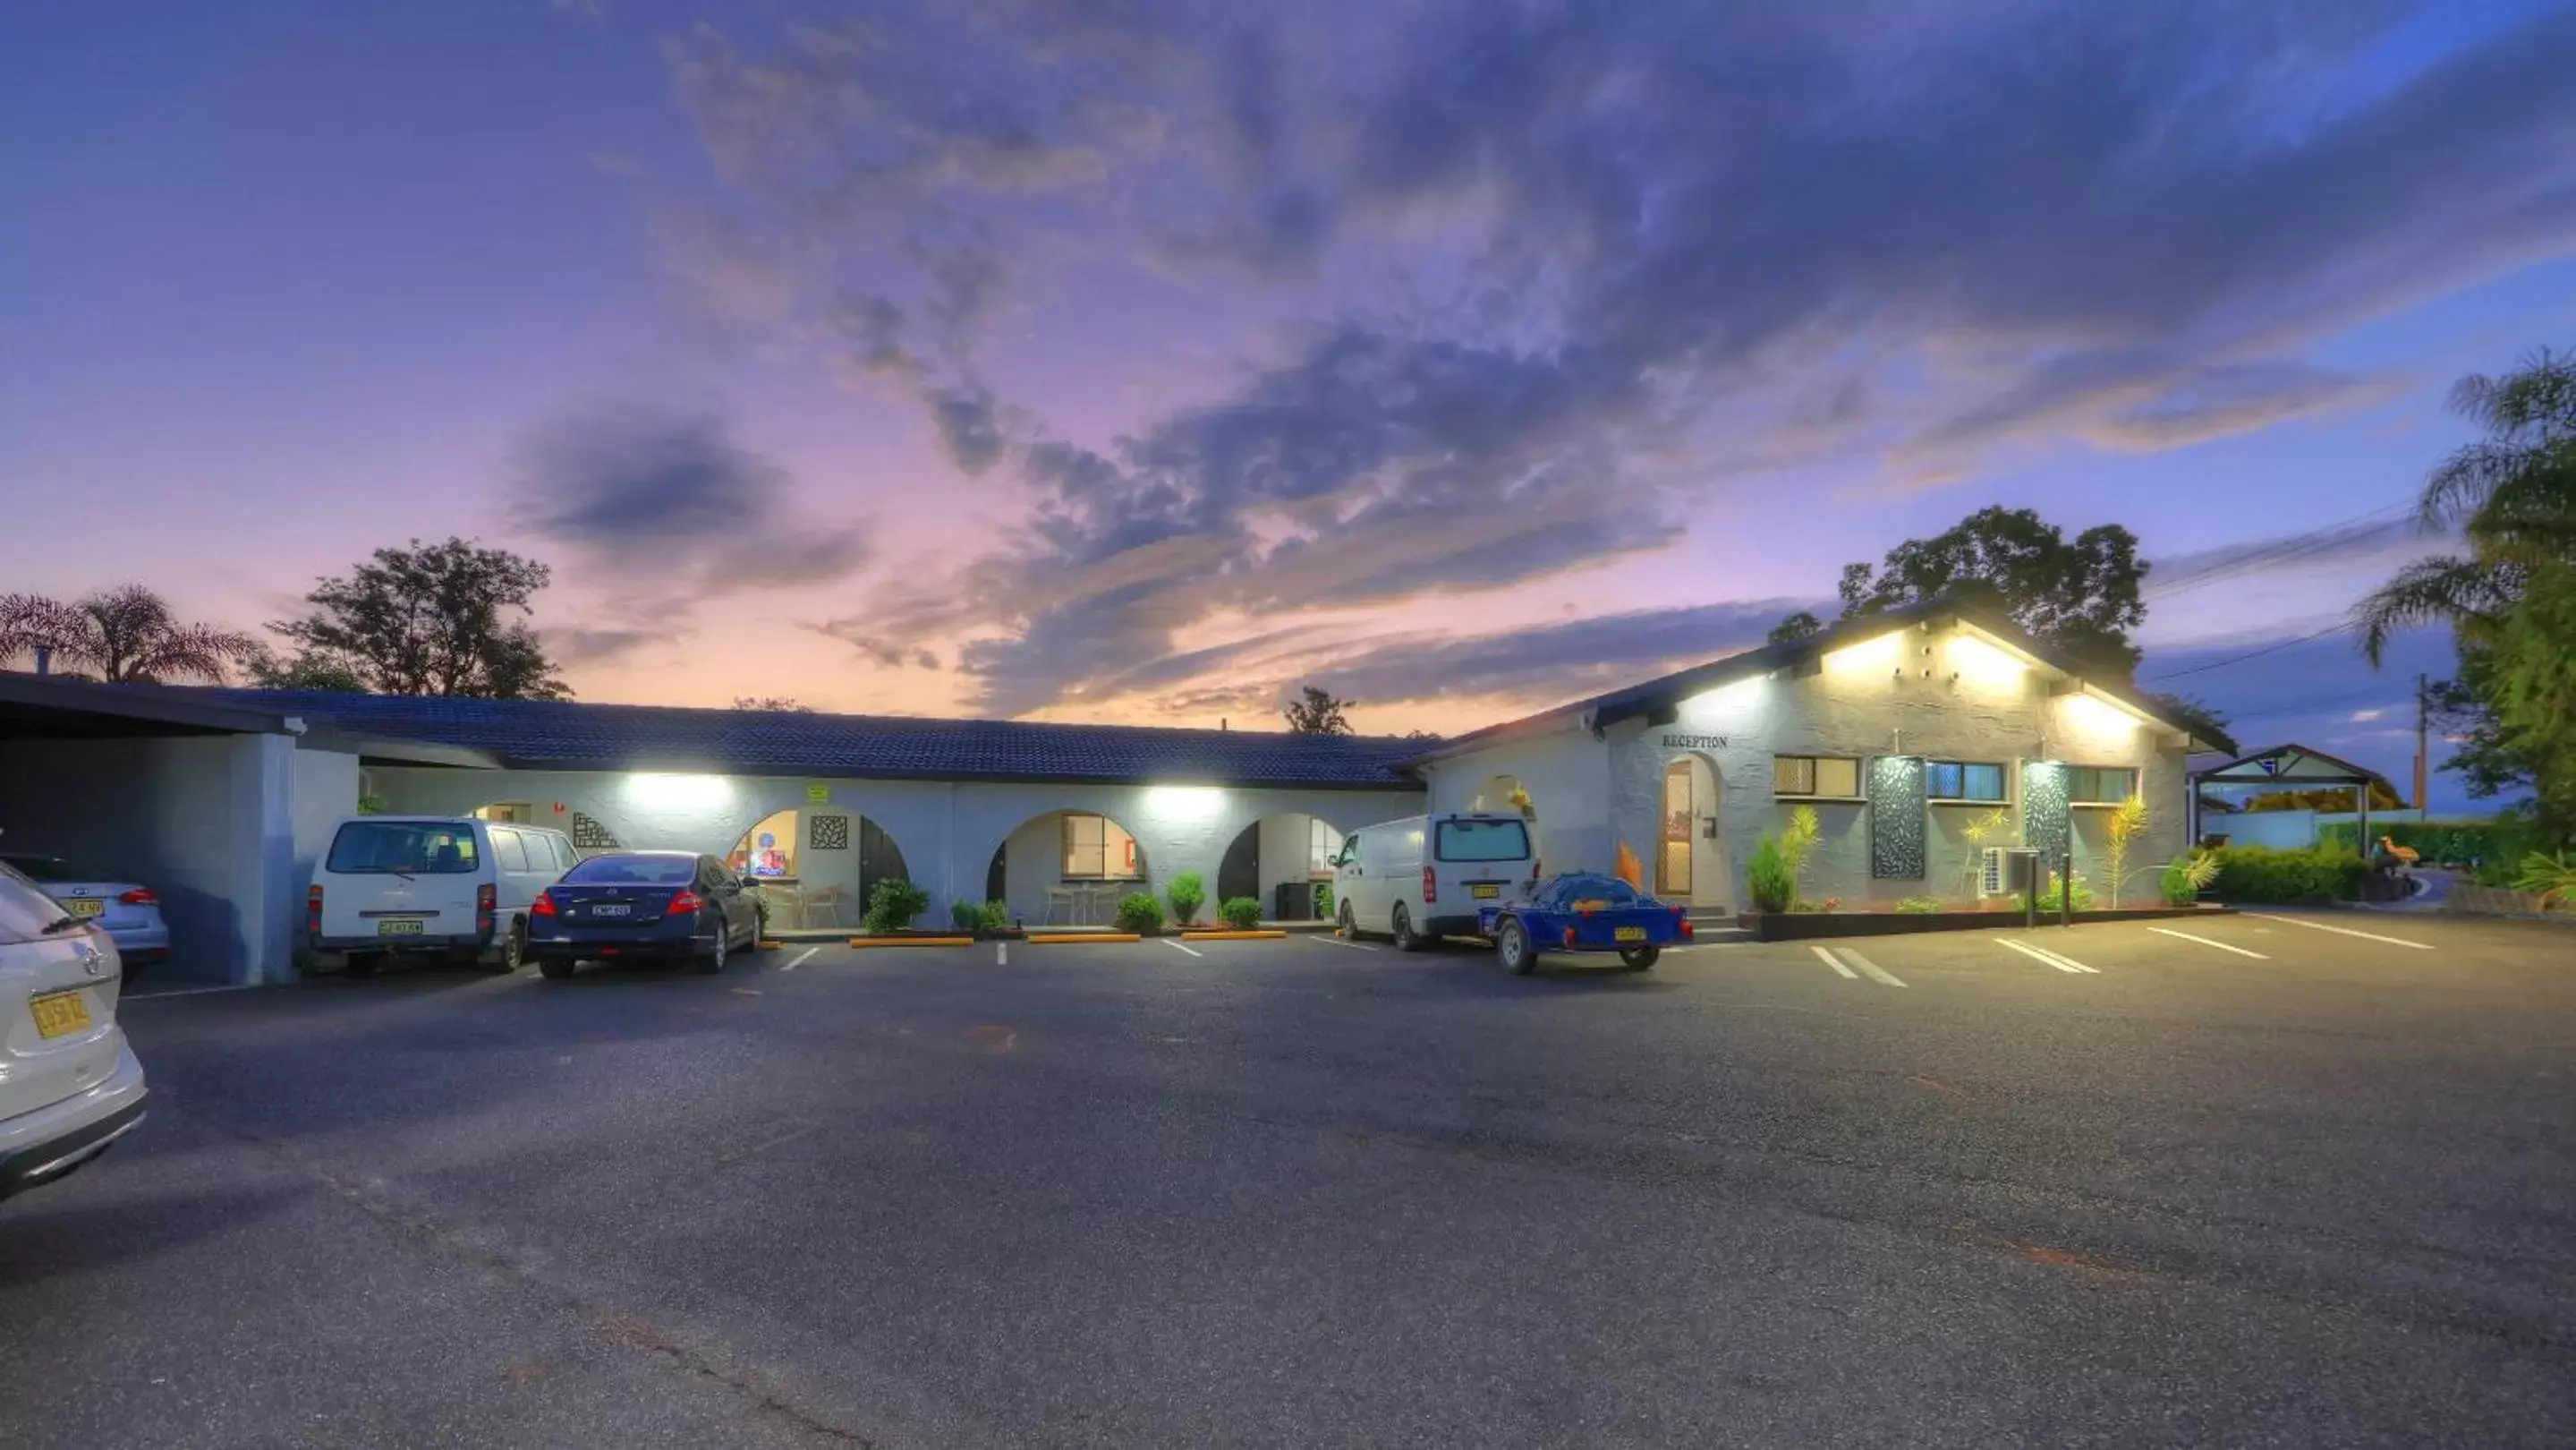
x=2006, y=870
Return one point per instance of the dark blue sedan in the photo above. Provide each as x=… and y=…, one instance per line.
x=625, y=904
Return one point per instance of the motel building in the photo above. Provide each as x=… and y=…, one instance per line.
x=1917, y=736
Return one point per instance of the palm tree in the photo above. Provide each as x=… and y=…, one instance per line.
x=2512, y=496
x=125, y=635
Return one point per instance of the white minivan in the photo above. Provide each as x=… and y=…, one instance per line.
x=1423, y=876
x=455, y=885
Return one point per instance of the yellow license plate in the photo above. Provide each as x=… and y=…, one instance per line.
x=83, y=908
x=61, y=1014
x=398, y=926
x=1629, y=933
x=1484, y=893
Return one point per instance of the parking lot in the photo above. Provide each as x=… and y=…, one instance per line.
x=2264, y=1180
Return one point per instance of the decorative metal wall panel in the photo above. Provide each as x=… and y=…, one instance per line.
x=2046, y=824
x=1896, y=818
x=828, y=833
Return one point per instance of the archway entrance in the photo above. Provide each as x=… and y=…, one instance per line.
x=815, y=865
x=1066, y=867
x=1690, y=849
x=1276, y=861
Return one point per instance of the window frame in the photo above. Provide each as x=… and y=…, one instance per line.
x=1860, y=778
x=2003, y=783
x=1067, y=844
x=2096, y=803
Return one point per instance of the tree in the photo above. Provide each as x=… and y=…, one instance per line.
x=1318, y=712
x=306, y=671
x=2334, y=799
x=431, y=619
x=1797, y=626
x=784, y=704
x=124, y=636
x=2081, y=598
x=2509, y=601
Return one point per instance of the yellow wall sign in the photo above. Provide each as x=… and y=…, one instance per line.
x=817, y=793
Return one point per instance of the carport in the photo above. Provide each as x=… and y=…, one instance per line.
x=193, y=797
x=2288, y=767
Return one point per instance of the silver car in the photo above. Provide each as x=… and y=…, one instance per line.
x=126, y=910
x=69, y=1086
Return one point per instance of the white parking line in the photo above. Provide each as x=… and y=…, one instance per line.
x=1176, y=946
x=802, y=958
x=1001, y=954
x=1868, y=968
x=2394, y=941
x=1835, y=962
x=2204, y=941
x=1360, y=946
x=2064, y=964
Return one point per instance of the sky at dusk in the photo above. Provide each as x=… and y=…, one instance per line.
x=1133, y=360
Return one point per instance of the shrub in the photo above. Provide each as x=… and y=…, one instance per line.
x=2186, y=876
x=1919, y=905
x=893, y=903
x=996, y=916
x=2262, y=873
x=2054, y=892
x=2128, y=821
x=1796, y=844
x=1242, y=913
x=2551, y=876
x=966, y=914
x=1138, y=911
x=1187, y=893
x=759, y=903
x=1323, y=901
x=1768, y=879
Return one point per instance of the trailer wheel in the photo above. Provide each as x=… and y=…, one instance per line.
x=1637, y=959
x=1513, y=948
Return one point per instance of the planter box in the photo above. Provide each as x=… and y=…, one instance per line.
x=1802, y=925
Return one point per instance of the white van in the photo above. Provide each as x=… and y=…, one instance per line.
x=1422, y=877
x=449, y=884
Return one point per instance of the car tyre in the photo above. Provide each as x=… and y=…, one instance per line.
x=1350, y=928
x=1405, y=940
x=712, y=960
x=514, y=949
x=554, y=968
x=1638, y=959
x=1513, y=947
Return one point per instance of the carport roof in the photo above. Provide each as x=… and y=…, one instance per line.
x=565, y=735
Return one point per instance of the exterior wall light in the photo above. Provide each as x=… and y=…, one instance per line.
x=664, y=794
x=1184, y=802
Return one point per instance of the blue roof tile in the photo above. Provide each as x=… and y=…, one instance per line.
x=577, y=736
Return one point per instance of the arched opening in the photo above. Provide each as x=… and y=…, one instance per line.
x=816, y=864
x=1277, y=861
x=1066, y=868
x=1690, y=848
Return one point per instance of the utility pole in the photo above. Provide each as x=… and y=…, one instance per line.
x=2422, y=761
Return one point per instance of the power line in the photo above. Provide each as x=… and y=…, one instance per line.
x=2278, y=553
x=2248, y=655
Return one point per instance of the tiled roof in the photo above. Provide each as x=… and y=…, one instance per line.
x=568, y=735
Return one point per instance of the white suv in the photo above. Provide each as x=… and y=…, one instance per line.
x=69, y=1086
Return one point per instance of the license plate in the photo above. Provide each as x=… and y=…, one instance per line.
x=1629, y=933
x=612, y=911
x=1484, y=893
x=83, y=908
x=399, y=926
x=61, y=1014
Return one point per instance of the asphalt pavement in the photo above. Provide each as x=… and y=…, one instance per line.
x=2230, y=1179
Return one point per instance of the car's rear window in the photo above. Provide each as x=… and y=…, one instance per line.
x=410, y=848
x=633, y=871
x=25, y=912
x=1482, y=841
x=50, y=868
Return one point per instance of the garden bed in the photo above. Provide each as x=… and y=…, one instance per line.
x=1802, y=925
